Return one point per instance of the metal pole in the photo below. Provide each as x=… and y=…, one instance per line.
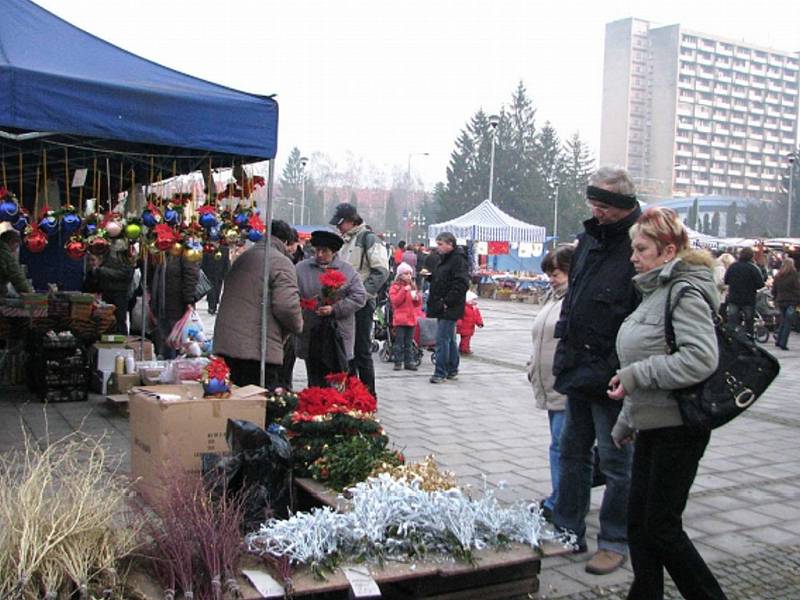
x=265, y=288
x=791, y=197
x=144, y=251
x=303, y=198
x=491, y=167
x=555, y=217
x=294, y=221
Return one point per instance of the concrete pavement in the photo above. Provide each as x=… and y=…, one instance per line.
x=743, y=512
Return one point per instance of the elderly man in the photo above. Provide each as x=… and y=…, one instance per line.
x=329, y=324
x=237, y=330
x=363, y=250
x=10, y=269
x=599, y=297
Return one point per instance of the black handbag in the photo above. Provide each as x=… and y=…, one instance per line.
x=203, y=286
x=744, y=371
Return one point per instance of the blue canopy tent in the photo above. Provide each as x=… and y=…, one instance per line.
x=84, y=103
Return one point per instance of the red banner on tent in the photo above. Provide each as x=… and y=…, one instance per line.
x=497, y=248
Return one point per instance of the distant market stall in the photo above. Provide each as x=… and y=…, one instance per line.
x=515, y=244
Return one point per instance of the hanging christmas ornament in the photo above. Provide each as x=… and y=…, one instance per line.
x=218, y=255
x=151, y=216
x=113, y=228
x=70, y=221
x=172, y=216
x=208, y=216
x=213, y=234
x=209, y=248
x=176, y=249
x=193, y=252
x=256, y=228
x=48, y=223
x=35, y=240
x=98, y=245
x=9, y=209
x=75, y=248
x=133, y=230
x=254, y=235
x=165, y=237
x=240, y=217
x=23, y=220
x=231, y=235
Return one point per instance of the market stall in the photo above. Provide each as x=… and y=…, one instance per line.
x=89, y=133
x=509, y=244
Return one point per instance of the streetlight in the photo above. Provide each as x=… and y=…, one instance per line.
x=793, y=158
x=555, y=216
x=303, y=163
x=494, y=121
x=409, y=206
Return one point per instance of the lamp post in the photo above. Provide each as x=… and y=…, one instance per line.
x=555, y=216
x=303, y=163
x=409, y=203
x=494, y=121
x=793, y=158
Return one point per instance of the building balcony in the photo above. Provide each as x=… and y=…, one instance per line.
x=770, y=125
x=737, y=160
x=722, y=145
x=768, y=176
x=741, y=69
x=701, y=182
x=719, y=184
x=722, y=52
x=739, y=134
x=682, y=139
x=736, y=186
x=772, y=138
x=770, y=163
x=686, y=153
x=757, y=111
x=699, y=87
x=735, y=172
x=716, y=171
x=753, y=188
x=788, y=141
x=774, y=101
x=758, y=86
x=720, y=118
x=756, y=136
x=703, y=156
x=774, y=74
x=722, y=104
x=791, y=66
x=724, y=78
x=758, y=71
x=682, y=180
x=704, y=102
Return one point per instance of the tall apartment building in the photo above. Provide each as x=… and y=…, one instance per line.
x=694, y=114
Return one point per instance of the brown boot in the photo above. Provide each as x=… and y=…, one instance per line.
x=604, y=562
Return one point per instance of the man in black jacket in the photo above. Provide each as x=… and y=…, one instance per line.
x=599, y=297
x=448, y=293
x=743, y=279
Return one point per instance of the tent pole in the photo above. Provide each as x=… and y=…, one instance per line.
x=143, y=250
x=265, y=291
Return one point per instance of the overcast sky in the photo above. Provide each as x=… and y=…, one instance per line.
x=385, y=80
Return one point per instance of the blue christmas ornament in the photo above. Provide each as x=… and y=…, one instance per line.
x=208, y=220
x=254, y=235
x=9, y=210
x=149, y=219
x=48, y=224
x=70, y=222
x=21, y=223
x=241, y=219
x=89, y=229
x=213, y=234
x=214, y=386
x=171, y=216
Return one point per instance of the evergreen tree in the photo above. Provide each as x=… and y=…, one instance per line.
x=578, y=167
x=392, y=223
x=715, y=219
x=353, y=198
x=706, y=224
x=693, y=215
x=548, y=171
x=291, y=186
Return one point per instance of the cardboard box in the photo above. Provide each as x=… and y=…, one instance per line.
x=135, y=343
x=172, y=426
x=121, y=384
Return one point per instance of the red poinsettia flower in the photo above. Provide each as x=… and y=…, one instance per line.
x=218, y=369
x=309, y=303
x=256, y=223
x=3, y=192
x=332, y=279
x=164, y=232
x=337, y=379
x=207, y=209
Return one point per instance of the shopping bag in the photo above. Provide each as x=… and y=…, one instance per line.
x=188, y=326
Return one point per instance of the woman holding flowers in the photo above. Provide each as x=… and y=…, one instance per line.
x=330, y=293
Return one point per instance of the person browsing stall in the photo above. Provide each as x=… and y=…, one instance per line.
x=667, y=452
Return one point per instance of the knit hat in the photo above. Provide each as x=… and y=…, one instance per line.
x=404, y=268
x=471, y=297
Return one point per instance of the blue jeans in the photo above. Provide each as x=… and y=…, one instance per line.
x=738, y=312
x=446, y=349
x=584, y=422
x=556, y=418
x=787, y=320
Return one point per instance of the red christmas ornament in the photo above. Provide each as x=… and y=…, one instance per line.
x=98, y=246
x=75, y=249
x=209, y=248
x=36, y=241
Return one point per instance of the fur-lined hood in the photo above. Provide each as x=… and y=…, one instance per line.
x=693, y=265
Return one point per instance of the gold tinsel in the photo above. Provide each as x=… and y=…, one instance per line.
x=430, y=477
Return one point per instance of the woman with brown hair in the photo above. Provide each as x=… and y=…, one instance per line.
x=786, y=291
x=666, y=453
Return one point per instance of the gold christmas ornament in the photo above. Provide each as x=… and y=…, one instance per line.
x=177, y=249
x=217, y=255
x=232, y=236
x=193, y=254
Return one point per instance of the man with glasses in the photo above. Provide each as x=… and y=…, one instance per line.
x=599, y=297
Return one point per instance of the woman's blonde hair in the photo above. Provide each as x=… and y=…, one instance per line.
x=663, y=226
x=787, y=266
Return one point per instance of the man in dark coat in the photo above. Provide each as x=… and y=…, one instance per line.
x=446, y=300
x=174, y=286
x=111, y=277
x=599, y=297
x=743, y=279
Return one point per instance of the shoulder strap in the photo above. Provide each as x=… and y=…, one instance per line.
x=669, y=307
x=362, y=241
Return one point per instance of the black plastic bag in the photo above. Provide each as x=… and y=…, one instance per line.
x=260, y=467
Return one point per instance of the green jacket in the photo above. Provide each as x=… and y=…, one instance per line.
x=11, y=271
x=647, y=372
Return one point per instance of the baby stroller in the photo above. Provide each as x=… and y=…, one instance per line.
x=385, y=346
x=381, y=323
x=765, y=320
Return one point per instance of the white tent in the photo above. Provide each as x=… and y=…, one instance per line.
x=487, y=223
x=702, y=240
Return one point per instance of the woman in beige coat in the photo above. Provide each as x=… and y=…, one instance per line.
x=556, y=265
